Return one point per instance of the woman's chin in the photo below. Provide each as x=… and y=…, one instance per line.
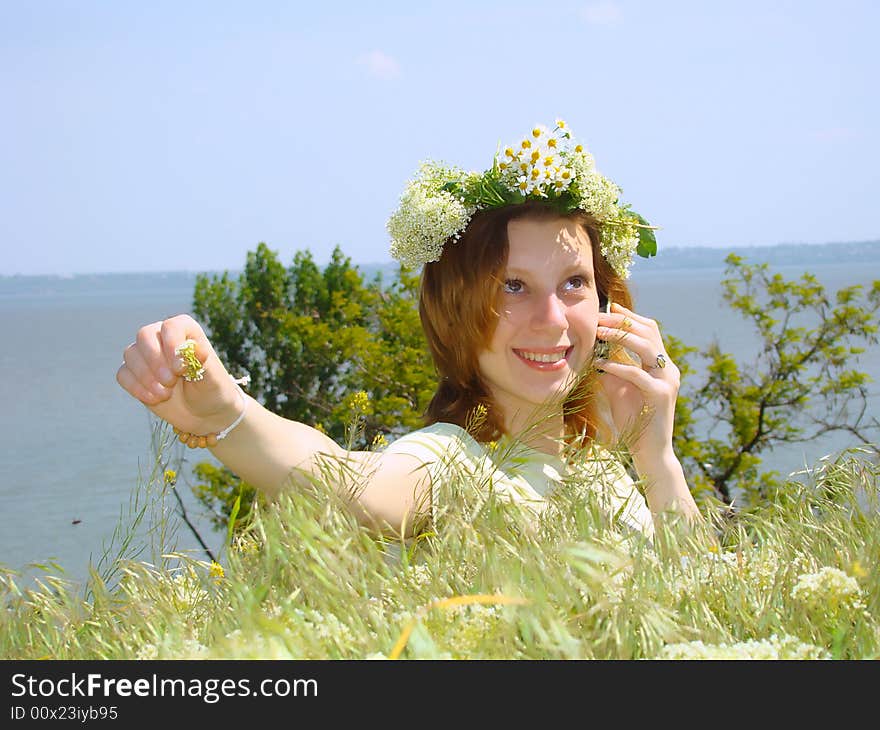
x=550, y=388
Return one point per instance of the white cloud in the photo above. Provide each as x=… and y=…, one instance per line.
x=380, y=65
x=602, y=13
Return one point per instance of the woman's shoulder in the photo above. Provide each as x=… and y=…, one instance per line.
x=435, y=441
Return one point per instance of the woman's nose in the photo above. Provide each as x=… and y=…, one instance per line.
x=549, y=311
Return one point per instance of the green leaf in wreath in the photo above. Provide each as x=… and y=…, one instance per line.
x=647, y=240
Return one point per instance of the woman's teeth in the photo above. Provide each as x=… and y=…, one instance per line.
x=542, y=357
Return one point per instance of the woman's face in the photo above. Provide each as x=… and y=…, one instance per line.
x=549, y=313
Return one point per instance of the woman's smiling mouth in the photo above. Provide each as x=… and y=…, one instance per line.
x=545, y=359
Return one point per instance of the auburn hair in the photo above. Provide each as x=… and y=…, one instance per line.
x=458, y=306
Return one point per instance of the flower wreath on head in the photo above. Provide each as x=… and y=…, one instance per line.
x=438, y=203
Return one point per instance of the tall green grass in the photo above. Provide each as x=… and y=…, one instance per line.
x=795, y=579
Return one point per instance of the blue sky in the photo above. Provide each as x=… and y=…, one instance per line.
x=177, y=135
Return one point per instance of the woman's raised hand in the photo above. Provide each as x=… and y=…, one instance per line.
x=152, y=372
x=642, y=396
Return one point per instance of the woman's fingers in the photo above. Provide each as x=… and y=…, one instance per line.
x=639, y=377
x=151, y=367
x=140, y=360
x=619, y=309
x=129, y=382
x=629, y=321
x=639, y=334
x=647, y=350
x=177, y=330
x=149, y=347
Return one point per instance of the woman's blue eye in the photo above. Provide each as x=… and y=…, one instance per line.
x=577, y=281
x=513, y=286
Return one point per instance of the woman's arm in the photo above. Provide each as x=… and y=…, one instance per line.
x=389, y=492
x=642, y=400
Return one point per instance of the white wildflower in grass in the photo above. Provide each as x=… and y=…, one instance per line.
x=427, y=216
x=147, y=652
x=240, y=644
x=189, y=649
x=324, y=625
x=828, y=591
x=774, y=647
x=758, y=569
x=460, y=632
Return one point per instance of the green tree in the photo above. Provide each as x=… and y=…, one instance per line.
x=802, y=383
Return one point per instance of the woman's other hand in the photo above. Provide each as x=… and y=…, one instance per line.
x=152, y=372
x=642, y=395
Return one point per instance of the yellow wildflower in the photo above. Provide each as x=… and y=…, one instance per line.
x=193, y=369
x=215, y=570
x=360, y=402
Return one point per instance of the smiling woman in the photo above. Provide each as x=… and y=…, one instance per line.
x=519, y=263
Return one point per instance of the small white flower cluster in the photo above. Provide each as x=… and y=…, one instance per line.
x=757, y=569
x=255, y=645
x=437, y=205
x=188, y=648
x=830, y=589
x=541, y=163
x=463, y=629
x=620, y=238
x=323, y=625
x=427, y=216
x=783, y=648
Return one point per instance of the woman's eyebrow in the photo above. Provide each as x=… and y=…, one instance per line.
x=570, y=271
x=580, y=269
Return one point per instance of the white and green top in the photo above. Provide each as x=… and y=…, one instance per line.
x=524, y=475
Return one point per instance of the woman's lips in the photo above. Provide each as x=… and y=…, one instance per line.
x=545, y=366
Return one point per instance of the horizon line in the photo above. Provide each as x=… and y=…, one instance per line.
x=662, y=252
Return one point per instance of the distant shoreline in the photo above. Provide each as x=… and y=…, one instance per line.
x=688, y=257
x=781, y=254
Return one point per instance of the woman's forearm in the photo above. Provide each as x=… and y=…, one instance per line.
x=267, y=450
x=666, y=488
